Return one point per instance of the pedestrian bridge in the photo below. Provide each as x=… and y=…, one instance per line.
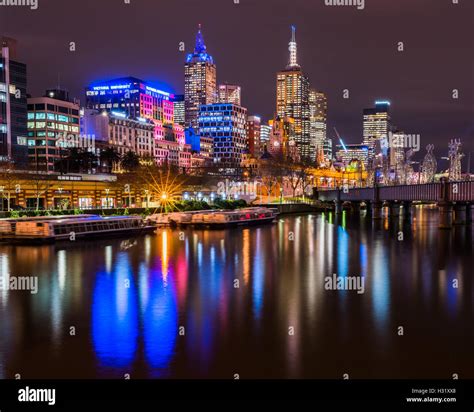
x=448, y=195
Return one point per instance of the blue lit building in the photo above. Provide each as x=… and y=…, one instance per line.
x=136, y=98
x=225, y=123
x=199, y=81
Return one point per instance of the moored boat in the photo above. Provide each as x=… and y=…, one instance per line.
x=224, y=218
x=51, y=229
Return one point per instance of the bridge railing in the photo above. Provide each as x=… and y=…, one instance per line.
x=429, y=192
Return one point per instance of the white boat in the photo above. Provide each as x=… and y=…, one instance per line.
x=76, y=227
x=224, y=218
x=8, y=226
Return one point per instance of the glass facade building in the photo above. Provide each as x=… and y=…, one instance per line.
x=226, y=125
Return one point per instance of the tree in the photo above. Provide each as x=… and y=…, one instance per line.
x=9, y=182
x=41, y=186
x=108, y=157
x=130, y=161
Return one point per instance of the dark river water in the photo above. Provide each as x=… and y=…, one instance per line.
x=250, y=302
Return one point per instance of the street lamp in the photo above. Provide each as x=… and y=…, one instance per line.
x=281, y=195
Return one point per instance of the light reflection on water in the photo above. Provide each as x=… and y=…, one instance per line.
x=214, y=303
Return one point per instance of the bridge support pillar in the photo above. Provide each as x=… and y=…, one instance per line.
x=406, y=209
x=445, y=215
x=394, y=208
x=368, y=208
x=355, y=207
x=338, y=207
x=469, y=213
x=377, y=210
x=460, y=215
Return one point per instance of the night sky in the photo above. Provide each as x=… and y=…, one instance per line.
x=339, y=48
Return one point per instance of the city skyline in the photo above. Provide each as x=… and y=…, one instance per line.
x=421, y=95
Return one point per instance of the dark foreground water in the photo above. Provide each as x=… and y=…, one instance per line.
x=212, y=304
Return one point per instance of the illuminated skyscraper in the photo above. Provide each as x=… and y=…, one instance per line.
x=376, y=125
x=13, y=105
x=318, y=107
x=178, y=103
x=229, y=93
x=199, y=81
x=293, y=91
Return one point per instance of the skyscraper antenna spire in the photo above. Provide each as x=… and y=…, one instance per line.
x=200, y=45
x=293, y=63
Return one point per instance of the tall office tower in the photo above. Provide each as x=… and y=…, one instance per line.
x=293, y=100
x=225, y=124
x=229, y=93
x=377, y=125
x=13, y=105
x=199, y=82
x=53, y=128
x=253, y=135
x=178, y=103
x=318, y=107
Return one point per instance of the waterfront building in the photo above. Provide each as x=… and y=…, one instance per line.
x=147, y=138
x=13, y=105
x=229, y=93
x=199, y=82
x=293, y=90
x=53, y=128
x=253, y=135
x=226, y=125
x=376, y=126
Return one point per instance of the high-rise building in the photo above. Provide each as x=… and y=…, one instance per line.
x=132, y=96
x=226, y=125
x=293, y=91
x=53, y=128
x=253, y=135
x=318, y=107
x=179, y=116
x=13, y=105
x=199, y=82
x=377, y=125
x=230, y=93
